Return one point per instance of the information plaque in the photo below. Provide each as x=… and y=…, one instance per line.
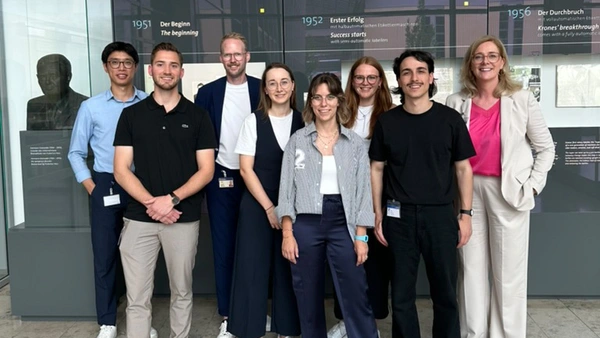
x=52, y=196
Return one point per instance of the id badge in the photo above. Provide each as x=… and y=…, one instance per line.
x=225, y=182
x=393, y=209
x=111, y=199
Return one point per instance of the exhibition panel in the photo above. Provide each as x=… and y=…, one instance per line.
x=553, y=48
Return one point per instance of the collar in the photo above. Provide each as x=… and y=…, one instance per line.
x=153, y=105
x=311, y=129
x=108, y=95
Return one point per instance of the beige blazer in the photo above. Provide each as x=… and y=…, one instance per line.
x=522, y=127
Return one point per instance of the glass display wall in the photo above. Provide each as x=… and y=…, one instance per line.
x=50, y=52
x=553, y=48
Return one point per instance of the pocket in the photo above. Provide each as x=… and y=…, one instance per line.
x=523, y=175
x=97, y=189
x=126, y=222
x=93, y=190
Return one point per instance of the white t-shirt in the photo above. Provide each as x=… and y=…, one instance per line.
x=363, y=118
x=236, y=108
x=246, y=143
x=329, y=179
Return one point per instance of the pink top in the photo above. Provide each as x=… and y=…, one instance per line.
x=484, y=127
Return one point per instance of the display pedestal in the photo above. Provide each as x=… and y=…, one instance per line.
x=52, y=272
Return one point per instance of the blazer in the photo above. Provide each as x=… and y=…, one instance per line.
x=212, y=96
x=522, y=127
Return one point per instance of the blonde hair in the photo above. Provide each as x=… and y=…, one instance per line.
x=506, y=85
x=383, y=98
x=234, y=35
x=335, y=88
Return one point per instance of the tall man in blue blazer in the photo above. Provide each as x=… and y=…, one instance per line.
x=228, y=101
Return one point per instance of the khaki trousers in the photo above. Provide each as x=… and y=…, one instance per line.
x=139, y=246
x=492, y=279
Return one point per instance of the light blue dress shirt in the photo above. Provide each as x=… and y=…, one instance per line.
x=95, y=125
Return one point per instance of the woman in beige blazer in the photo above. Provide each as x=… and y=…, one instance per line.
x=515, y=151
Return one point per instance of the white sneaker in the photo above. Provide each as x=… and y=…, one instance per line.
x=153, y=333
x=337, y=331
x=268, y=325
x=107, y=331
x=223, y=331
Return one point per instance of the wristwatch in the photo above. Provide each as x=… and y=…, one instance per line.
x=174, y=199
x=467, y=212
x=364, y=238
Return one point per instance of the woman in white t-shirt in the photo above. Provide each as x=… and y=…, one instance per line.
x=368, y=96
x=261, y=142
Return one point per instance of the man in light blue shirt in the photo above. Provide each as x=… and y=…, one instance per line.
x=95, y=126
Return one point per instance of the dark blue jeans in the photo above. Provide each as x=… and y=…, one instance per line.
x=320, y=238
x=379, y=275
x=430, y=231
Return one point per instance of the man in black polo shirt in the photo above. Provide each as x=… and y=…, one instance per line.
x=171, y=142
x=425, y=145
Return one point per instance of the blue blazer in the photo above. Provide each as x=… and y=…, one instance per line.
x=212, y=95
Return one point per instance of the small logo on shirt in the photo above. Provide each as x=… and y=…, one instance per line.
x=299, y=162
x=184, y=126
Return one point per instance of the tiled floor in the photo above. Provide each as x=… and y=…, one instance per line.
x=548, y=318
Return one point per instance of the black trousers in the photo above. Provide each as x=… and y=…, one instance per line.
x=430, y=231
x=258, y=264
x=379, y=275
x=323, y=238
x=106, y=225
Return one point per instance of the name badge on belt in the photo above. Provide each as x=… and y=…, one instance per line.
x=393, y=209
x=111, y=199
x=225, y=182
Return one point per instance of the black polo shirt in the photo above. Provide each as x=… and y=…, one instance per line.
x=164, y=150
x=420, y=151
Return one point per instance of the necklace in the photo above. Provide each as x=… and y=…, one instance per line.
x=365, y=110
x=323, y=139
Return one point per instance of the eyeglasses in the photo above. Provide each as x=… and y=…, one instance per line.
x=371, y=79
x=492, y=57
x=114, y=64
x=318, y=98
x=237, y=56
x=284, y=84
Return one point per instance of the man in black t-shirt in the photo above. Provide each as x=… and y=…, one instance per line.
x=171, y=143
x=426, y=145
